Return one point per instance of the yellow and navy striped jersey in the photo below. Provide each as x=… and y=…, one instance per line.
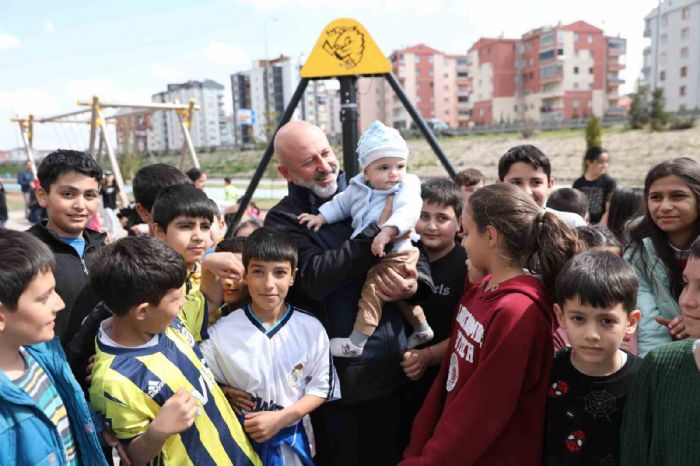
x=129, y=386
x=194, y=314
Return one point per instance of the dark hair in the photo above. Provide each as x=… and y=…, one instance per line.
x=469, y=177
x=22, y=256
x=182, y=199
x=625, y=205
x=65, y=161
x=526, y=153
x=194, y=174
x=234, y=244
x=268, y=245
x=227, y=179
x=568, y=200
x=528, y=231
x=251, y=222
x=151, y=179
x=689, y=171
x=444, y=192
x=599, y=279
x=597, y=236
x=695, y=248
x=592, y=155
x=136, y=270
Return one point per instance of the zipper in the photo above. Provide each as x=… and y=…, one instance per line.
x=82, y=261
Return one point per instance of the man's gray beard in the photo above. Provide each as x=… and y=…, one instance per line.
x=321, y=192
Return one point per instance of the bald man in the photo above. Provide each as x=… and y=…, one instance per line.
x=363, y=427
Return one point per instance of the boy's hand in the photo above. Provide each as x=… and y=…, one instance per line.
x=676, y=327
x=224, y=265
x=89, y=368
x=415, y=362
x=379, y=242
x=239, y=400
x=313, y=222
x=263, y=425
x=176, y=415
x=111, y=440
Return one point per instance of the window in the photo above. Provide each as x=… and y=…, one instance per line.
x=575, y=85
x=576, y=37
x=664, y=19
x=663, y=57
x=515, y=108
x=685, y=33
x=417, y=85
x=681, y=91
x=590, y=38
x=662, y=76
x=685, y=13
x=664, y=39
x=590, y=70
x=684, y=71
x=684, y=52
x=548, y=55
x=430, y=58
x=575, y=69
x=546, y=39
x=575, y=103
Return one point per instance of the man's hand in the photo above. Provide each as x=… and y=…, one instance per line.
x=176, y=415
x=415, y=362
x=378, y=243
x=676, y=327
x=240, y=400
x=263, y=425
x=111, y=440
x=313, y=222
x=392, y=286
x=223, y=265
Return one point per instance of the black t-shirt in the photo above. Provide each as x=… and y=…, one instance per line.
x=109, y=196
x=584, y=413
x=597, y=191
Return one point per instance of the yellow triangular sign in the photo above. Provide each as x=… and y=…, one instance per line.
x=345, y=48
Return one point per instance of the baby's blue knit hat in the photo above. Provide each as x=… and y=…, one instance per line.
x=380, y=141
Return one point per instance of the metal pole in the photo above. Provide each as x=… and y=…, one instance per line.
x=112, y=159
x=93, y=125
x=267, y=156
x=348, y=118
x=420, y=123
x=185, y=117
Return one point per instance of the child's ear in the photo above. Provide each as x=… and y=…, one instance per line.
x=559, y=312
x=141, y=311
x=294, y=275
x=42, y=197
x=492, y=235
x=632, y=321
x=158, y=232
x=3, y=310
x=144, y=213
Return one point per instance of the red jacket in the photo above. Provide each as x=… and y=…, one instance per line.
x=487, y=405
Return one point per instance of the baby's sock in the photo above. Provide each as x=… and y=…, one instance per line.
x=422, y=333
x=349, y=347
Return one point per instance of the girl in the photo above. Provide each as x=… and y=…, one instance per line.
x=626, y=206
x=595, y=183
x=487, y=404
x=659, y=245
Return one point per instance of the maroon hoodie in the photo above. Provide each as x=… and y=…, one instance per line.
x=487, y=405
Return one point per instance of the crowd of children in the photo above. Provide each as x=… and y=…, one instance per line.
x=178, y=347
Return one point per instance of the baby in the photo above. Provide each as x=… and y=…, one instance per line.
x=383, y=194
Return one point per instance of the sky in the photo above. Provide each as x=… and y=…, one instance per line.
x=53, y=53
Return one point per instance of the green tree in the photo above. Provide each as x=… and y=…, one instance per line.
x=594, y=136
x=638, y=115
x=657, y=115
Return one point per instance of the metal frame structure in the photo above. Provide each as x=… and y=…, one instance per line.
x=98, y=123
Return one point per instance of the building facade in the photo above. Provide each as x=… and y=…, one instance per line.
x=321, y=106
x=672, y=59
x=208, y=123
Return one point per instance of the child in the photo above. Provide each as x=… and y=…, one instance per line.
x=280, y=355
x=385, y=195
x=197, y=177
x=569, y=200
x=437, y=226
x=245, y=228
x=595, y=301
x=151, y=180
x=662, y=416
x=230, y=192
x=235, y=292
x=528, y=168
x=44, y=418
x=69, y=190
x=110, y=198
x=626, y=206
x=470, y=180
x=488, y=402
x=595, y=183
x=599, y=238
x=658, y=247
x=150, y=381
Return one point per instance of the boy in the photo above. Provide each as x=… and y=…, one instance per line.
x=569, y=200
x=279, y=354
x=595, y=298
x=149, y=380
x=44, y=418
x=527, y=167
x=469, y=180
x=662, y=417
x=437, y=226
x=383, y=194
x=70, y=190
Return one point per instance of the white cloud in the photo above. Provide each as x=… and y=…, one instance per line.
x=226, y=54
x=167, y=73
x=8, y=41
x=105, y=89
x=24, y=101
x=49, y=26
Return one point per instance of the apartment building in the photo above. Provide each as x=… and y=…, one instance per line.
x=672, y=59
x=321, y=106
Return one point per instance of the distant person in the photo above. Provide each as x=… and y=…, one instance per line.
x=110, y=199
x=626, y=206
x=25, y=180
x=3, y=206
x=599, y=238
x=569, y=200
x=198, y=178
x=244, y=229
x=595, y=183
x=230, y=191
x=470, y=180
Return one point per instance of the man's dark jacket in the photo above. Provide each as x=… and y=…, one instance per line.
x=332, y=270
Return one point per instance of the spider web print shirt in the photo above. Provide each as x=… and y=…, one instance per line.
x=584, y=413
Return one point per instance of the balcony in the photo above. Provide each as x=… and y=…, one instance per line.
x=616, y=110
x=615, y=66
x=612, y=79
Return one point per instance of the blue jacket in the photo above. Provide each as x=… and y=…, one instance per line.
x=25, y=179
x=27, y=435
x=654, y=298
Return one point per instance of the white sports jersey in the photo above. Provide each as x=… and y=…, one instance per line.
x=278, y=366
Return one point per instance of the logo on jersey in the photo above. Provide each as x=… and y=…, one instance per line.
x=452, y=373
x=294, y=377
x=154, y=386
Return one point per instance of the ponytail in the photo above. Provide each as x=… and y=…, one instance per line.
x=554, y=244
